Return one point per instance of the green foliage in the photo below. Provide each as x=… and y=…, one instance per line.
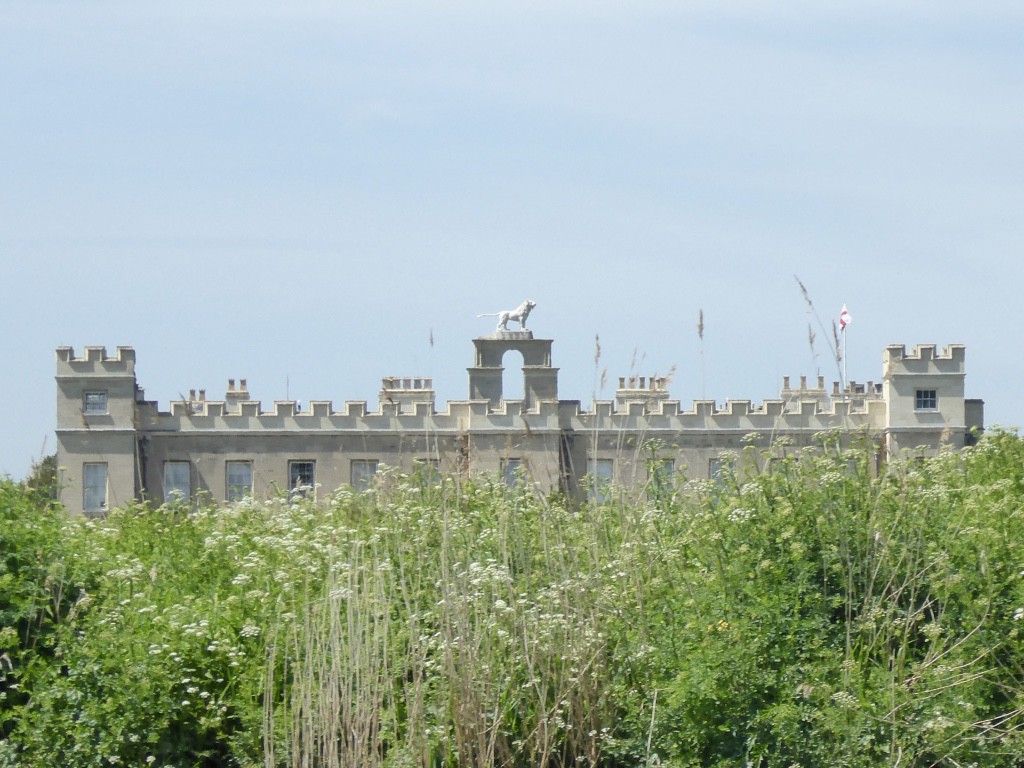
x=818, y=616
x=32, y=596
x=43, y=482
x=808, y=613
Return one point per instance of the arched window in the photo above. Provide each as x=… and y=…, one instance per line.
x=512, y=384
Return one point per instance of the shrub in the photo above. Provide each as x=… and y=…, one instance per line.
x=33, y=600
x=809, y=613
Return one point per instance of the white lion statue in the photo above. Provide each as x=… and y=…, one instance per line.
x=519, y=314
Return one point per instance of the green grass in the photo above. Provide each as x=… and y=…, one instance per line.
x=807, y=614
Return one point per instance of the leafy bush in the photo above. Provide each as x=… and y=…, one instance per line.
x=809, y=613
x=32, y=597
x=818, y=615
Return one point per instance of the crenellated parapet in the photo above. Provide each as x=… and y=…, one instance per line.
x=950, y=360
x=96, y=361
x=774, y=415
x=640, y=400
x=947, y=367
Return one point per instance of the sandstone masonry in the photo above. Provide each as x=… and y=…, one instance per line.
x=115, y=446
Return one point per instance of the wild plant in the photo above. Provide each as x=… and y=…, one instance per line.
x=808, y=610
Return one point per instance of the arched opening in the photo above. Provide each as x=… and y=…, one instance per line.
x=512, y=378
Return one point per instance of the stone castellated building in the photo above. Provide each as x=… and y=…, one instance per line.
x=115, y=446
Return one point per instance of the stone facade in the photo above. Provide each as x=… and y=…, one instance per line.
x=115, y=446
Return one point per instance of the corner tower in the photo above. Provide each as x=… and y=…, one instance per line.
x=97, y=443
x=924, y=394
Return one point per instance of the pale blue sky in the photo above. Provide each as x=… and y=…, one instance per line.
x=299, y=193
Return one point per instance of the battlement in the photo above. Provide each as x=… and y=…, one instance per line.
x=421, y=415
x=415, y=395
x=643, y=394
x=927, y=352
x=95, y=360
x=924, y=357
x=318, y=414
x=693, y=418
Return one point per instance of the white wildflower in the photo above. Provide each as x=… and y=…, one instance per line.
x=844, y=699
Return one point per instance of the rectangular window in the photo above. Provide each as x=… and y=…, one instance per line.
x=722, y=470
x=94, y=487
x=600, y=473
x=239, y=480
x=302, y=477
x=715, y=468
x=510, y=471
x=363, y=471
x=94, y=402
x=177, y=481
x=926, y=400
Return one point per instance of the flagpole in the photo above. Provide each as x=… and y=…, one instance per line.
x=846, y=378
x=844, y=322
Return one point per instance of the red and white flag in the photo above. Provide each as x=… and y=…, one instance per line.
x=845, y=318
